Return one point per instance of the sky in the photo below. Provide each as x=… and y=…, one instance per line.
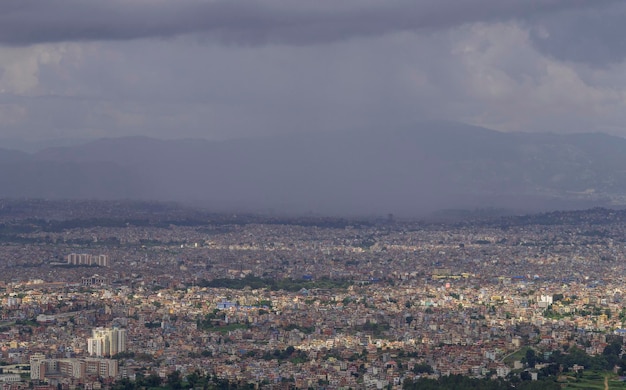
x=224, y=69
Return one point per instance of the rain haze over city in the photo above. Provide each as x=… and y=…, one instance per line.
x=356, y=194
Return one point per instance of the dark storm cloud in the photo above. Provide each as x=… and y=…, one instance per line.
x=25, y=22
x=594, y=36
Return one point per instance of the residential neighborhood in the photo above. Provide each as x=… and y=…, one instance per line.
x=307, y=303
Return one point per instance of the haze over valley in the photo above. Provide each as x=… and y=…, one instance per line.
x=408, y=171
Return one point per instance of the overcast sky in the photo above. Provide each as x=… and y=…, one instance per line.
x=220, y=69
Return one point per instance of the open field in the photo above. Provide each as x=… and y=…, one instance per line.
x=517, y=355
x=594, y=380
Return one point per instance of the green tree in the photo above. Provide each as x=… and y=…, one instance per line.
x=193, y=379
x=153, y=380
x=174, y=380
x=531, y=357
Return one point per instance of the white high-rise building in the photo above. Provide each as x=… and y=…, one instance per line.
x=106, y=341
x=37, y=366
x=87, y=259
x=100, y=260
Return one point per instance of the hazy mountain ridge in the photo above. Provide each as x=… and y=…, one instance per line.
x=405, y=171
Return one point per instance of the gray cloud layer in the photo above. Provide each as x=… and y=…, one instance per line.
x=591, y=35
x=25, y=22
x=233, y=68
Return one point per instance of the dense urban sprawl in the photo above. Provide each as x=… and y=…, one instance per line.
x=305, y=302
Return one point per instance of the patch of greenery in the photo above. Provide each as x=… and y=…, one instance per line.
x=461, y=382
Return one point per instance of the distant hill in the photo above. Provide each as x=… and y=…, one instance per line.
x=407, y=171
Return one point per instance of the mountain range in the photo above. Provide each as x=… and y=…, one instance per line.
x=407, y=171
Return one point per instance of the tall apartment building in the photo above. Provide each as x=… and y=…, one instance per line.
x=106, y=341
x=100, y=260
x=37, y=366
x=87, y=259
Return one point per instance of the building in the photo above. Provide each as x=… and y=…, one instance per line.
x=100, y=260
x=94, y=280
x=104, y=368
x=79, y=259
x=544, y=301
x=37, y=366
x=87, y=259
x=73, y=368
x=107, y=341
x=10, y=378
